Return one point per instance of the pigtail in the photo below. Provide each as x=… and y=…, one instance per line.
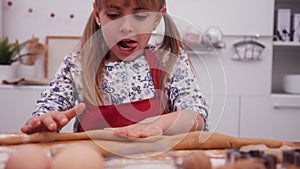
x=93, y=50
x=171, y=40
x=172, y=43
x=90, y=28
x=170, y=49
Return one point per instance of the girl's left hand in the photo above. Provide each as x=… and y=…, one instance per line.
x=139, y=130
x=171, y=123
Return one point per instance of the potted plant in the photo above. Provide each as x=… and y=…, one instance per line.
x=11, y=52
x=7, y=53
x=26, y=68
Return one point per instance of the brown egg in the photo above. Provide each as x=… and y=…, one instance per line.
x=28, y=157
x=224, y=167
x=197, y=160
x=78, y=156
x=292, y=167
x=249, y=163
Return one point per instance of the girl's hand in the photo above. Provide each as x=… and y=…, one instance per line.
x=172, y=123
x=51, y=121
x=140, y=130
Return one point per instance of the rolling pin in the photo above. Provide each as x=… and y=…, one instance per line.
x=42, y=137
x=191, y=140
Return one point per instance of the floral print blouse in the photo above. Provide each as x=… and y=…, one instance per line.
x=124, y=82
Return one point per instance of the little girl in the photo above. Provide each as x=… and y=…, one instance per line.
x=120, y=81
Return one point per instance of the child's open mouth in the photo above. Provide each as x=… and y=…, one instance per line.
x=127, y=44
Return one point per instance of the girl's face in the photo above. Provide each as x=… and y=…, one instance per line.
x=126, y=27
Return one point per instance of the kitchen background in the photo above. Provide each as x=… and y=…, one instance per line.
x=246, y=95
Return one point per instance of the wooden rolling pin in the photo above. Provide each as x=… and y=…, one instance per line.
x=191, y=140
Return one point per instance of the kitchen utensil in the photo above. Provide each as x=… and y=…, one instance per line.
x=192, y=37
x=248, y=50
x=213, y=36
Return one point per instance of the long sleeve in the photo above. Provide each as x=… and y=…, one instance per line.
x=60, y=93
x=184, y=91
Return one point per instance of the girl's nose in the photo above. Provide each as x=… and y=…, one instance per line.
x=125, y=25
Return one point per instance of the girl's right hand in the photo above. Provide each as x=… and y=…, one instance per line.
x=51, y=121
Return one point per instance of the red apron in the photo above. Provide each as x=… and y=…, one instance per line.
x=120, y=115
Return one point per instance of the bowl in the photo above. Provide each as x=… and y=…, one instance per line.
x=291, y=83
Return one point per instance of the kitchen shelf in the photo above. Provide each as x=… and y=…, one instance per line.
x=201, y=53
x=287, y=44
x=283, y=100
x=287, y=2
x=22, y=87
x=285, y=59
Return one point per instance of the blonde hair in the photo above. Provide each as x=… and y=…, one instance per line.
x=94, y=48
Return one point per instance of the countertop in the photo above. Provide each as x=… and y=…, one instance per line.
x=156, y=159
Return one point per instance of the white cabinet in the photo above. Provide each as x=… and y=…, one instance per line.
x=277, y=114
x=17, y=104
x=283, y=109
x=259, y=118
x=286, y=58
x=1, y=14
x=224, y=114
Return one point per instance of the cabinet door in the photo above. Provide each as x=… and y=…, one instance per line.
x=260, y=119
x=1, y=20
x=224, y=114
x=17, y=105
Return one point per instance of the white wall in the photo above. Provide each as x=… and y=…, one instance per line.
x=234, y=17
x=19, y=23
x=1, y=18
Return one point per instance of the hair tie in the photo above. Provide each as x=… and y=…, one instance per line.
x=164, y=10
x=99, y=23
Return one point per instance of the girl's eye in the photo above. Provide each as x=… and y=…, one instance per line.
x=140, y=16
x=113, y=15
